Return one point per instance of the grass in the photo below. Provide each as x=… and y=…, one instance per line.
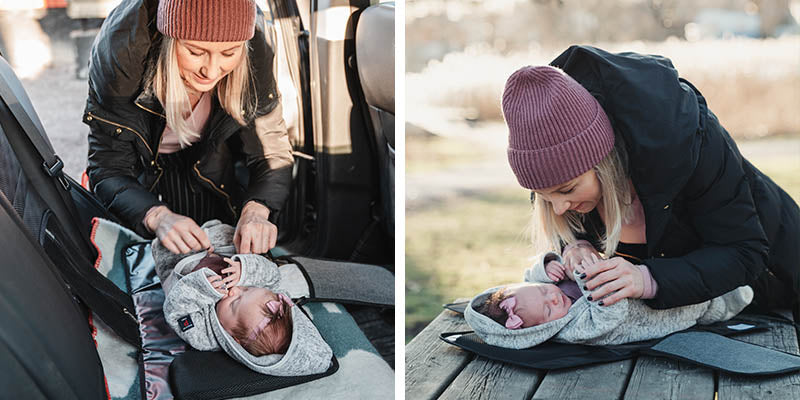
x=431, y=152
x=457, y=248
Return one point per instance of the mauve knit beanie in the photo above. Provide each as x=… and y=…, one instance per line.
x=556, y=129
x=207, y=20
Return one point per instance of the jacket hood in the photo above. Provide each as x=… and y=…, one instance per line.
x=496, y=334
x=307, y=353
x=658, y=116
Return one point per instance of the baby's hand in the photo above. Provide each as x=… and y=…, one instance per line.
x=555, y=271
x=217, y=283
x=232, y=273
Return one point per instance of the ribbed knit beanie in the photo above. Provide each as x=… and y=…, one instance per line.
x=556, y=129
x=207, y=20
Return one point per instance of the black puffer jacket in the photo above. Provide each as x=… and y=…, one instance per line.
x=127, y=123
x=714, y=221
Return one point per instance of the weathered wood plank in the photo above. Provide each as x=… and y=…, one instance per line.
x=662, y=378
x=597, y=382
x=432, y=364
x=787, y=386
x=486, y=379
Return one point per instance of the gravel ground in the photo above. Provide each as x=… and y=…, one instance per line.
x=59, y=98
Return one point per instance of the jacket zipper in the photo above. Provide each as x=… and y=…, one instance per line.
x=227, y=197
x=149, y=110
x=155, y=156
x=92, y=116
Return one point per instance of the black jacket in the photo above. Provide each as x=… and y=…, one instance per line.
x=713, y=221
x=127, y=123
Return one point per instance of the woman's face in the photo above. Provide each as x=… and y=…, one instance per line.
x=581, y=194
x=539, y=303
x=203, y=64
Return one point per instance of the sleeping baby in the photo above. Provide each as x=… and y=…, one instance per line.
x=236, y=303
x=523, y=315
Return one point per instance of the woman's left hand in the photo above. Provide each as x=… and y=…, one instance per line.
x=618, y=277
x=254, y=233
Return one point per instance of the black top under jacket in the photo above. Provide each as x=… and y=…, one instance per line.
x=714, y=221
x=127, y=123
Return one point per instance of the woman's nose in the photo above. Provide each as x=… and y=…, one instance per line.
x=211, y=69
x=560, y=207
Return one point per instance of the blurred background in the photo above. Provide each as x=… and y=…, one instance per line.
x=466, y=217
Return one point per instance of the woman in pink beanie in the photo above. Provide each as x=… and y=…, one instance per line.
x=180, y=92
x=624, y=158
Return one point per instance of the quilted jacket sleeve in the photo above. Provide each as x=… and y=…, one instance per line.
x=734, y=246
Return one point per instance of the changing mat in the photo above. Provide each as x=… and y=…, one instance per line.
x=361, y=373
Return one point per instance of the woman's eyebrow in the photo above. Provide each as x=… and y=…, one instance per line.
x=197, y=48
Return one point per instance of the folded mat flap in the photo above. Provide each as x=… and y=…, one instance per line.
x=725, y=354
x=199, y=374
x=548, y=355
x=347, y=282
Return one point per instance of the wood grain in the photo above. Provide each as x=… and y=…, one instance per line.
x=432, y=364
x=596, y=382
x=662, y=378
x=486, y=379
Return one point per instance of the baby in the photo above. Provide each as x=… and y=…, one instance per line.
x=237, y=304
x=257, y=318
x=526, y=314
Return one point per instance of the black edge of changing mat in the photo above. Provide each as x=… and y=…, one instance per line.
x=548, y=355
x=457, y=307
x=198, y=384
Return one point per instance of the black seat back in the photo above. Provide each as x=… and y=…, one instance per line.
x=46, y=347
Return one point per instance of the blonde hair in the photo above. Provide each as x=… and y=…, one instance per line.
x=234, y=91
x=550, y=231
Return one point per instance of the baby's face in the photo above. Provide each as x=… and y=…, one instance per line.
x=243, y=305
x=539, y=303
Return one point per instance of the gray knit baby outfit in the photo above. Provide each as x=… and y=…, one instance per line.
x=628, y=320
x=190, y=308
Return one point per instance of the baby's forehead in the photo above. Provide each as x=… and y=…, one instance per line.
x=527, y=287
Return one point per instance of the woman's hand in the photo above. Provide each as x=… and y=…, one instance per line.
x=232, y=273
x=577, y=253
x=254, y=233
x=618, y=277
x=179, y=234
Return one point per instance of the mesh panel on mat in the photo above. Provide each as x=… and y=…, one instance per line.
x=14, y=184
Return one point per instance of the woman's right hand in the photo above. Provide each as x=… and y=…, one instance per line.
x=179, y=234
x=577, y=253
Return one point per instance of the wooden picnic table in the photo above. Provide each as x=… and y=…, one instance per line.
x=437, y=370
